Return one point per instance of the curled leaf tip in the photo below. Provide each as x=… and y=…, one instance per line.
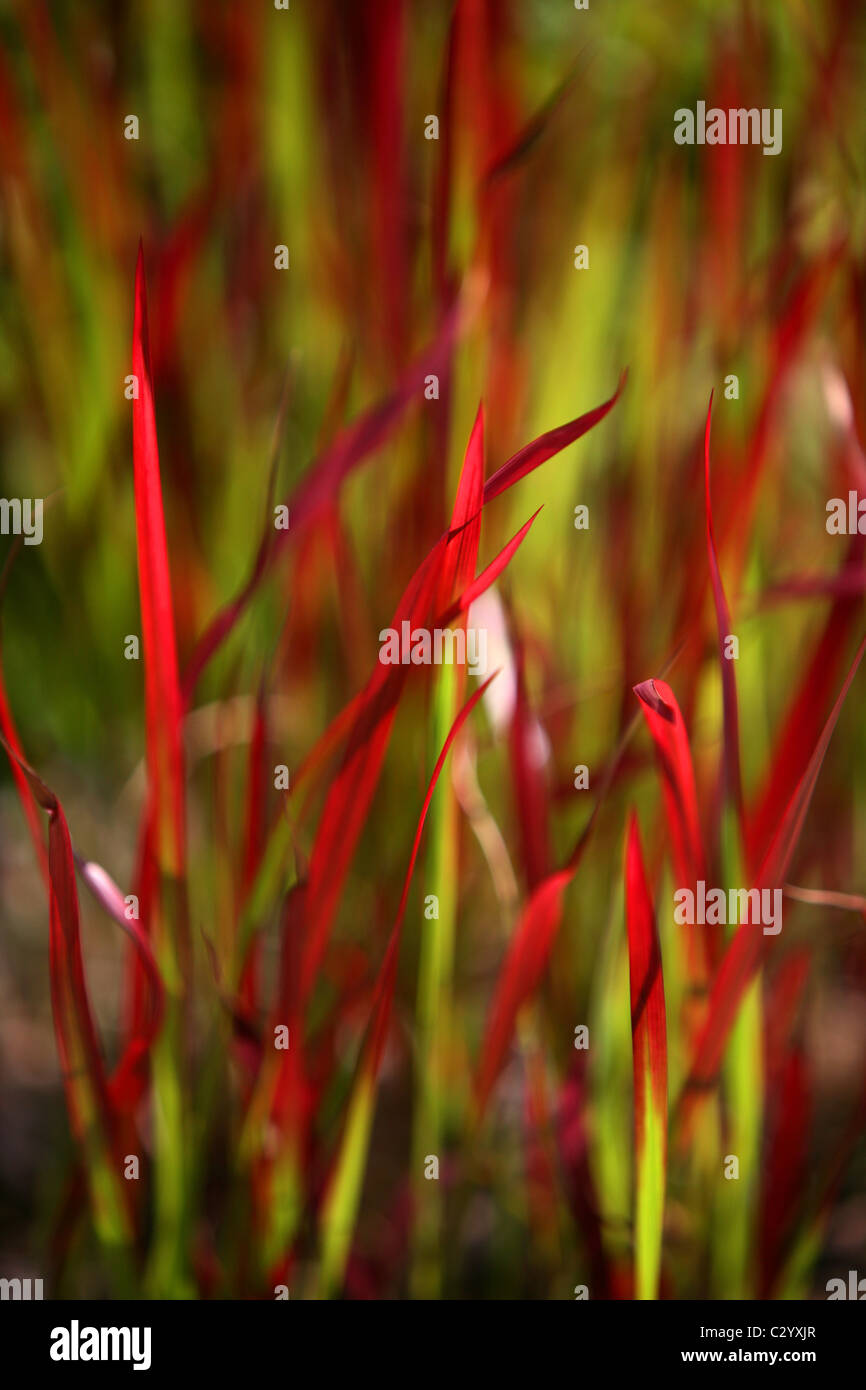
x=649, y=693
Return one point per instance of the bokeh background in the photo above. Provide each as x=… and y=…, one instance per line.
x=306, y=128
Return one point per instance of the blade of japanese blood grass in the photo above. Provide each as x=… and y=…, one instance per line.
x=356, y=781
x=803, y=720
x=785, y=1176
x=340, y=825
x=16, y=757
x=544, y=1192
x=9, y=731
x=274, y=1135
x=735, y=1205
x=272, y=868
x=650, y=1057
x=745, y=951
x=92, y=1115
x=340, y=1207
x=528, y=775
x=167, y=925
x=318, y=489
x=77, y=1191
x=673, y=757
x=162, y=691
x=733, y=783
x=458, y=568
x=543, y=448
x=320, y=486
x=436, y=960
x=225, y=620
x=671, y=743
x=351, y=792
x=441, y=195
x=387, y=34
x=525, y=963
x=434, y=1010
x=254, y=840
x=274, y=878
x=807, y=1240
x=573, y=1144
x=849, y=582
x=488, y=575
x=342, y=723
x=531, y=944
x=129, y=1077
x=793, y=321
x=507, y=161
x=137, y=991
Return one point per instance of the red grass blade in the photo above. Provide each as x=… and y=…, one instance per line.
x=803, y=721
x=573, y=1144
x=352, y=790
x=665, y=722
x=440, y=220
x=650, y=1061
x=340, y=1204
x=162, y=691
x=254, y=840
x=785, y=1166
x=319, y=487
x=488, y=575
x=25, y=796
x=351, y=713
x=529, y=951
x=747, y=946
x=733, y=782
x=525, y=963
x=388, y=974
x=649, y=1034
x=342, y=722
x=780, y=850
x=543, y=448
x=461, y=557
x=92, y=1114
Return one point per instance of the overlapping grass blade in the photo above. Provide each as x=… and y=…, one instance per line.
x=650, y=1056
